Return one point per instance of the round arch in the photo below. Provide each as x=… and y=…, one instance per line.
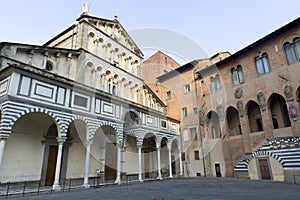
x=233, y=121
x=254, y=116
x=150, y=155
x=279, y=111
x=298, y=94
x=104, y=151
x=213, y=124
x=27, y=149
x=164, y=157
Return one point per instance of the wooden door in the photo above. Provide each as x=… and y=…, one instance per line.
x=51, y=166
x=111, y=156
x=264, y=169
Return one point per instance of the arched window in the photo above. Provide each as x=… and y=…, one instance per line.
x=215, y=84
x=234, y=76
x=218, y=83
x=262, y=64
x=292, y=51
x=237, y=75
x=240, y=74
x=212, y=84
x=114, y=90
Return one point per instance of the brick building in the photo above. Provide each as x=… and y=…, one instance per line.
x=175, y=85
x=251, y=106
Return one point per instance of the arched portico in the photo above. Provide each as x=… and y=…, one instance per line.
x=149, y=151
x=131, y=167
x=233, y=121
x=213, y=125
x=175, y=158
x=32, y=149
x=164, y=159
x=76, y=146
x=254, y=117
x=104, y=152
x=279, y=111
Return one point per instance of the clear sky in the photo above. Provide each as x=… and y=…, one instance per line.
x=214, y=25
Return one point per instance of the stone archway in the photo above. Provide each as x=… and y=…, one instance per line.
x=104, y=152
x=75, y=150
x=150, y=155
x=254, y=117
x=175, y=158
x=233, y=122
x=26, y=154
x=279, y=111
x=164, y=157
x=213, y=125
x=131, y=167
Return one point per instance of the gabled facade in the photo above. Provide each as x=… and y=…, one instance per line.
x=77, y=107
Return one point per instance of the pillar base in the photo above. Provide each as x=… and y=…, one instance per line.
x=86, y=185
x=141, y=180
x=159, y=178
x=56, y=187
x=118, y=182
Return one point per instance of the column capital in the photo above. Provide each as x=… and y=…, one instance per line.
x=88, y=142
x=139, y=145
x=61, y=140
x=120, y=145
x=158, y=146
x=139, y=142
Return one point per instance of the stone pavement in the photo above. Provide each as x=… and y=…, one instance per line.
x=184, y=189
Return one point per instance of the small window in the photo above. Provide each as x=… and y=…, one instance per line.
x=215, y=83
x=168, y=95
x=187, y=88
x=237, y=75
x=49, y=66
x=196, y=153
x=80, y=101
x=195, y=111
x=184, y=112
x=193, y=134
x=163, y=124
x=114, y=90
x=212, y=84
x=262, y=64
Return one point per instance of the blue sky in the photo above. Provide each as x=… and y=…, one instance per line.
x=214, y=25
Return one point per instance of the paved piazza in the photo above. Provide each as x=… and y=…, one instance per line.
x=194, y=188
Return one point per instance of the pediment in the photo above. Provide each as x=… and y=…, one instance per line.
x=114, y=30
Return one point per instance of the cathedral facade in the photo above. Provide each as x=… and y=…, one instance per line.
x=77, y=107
